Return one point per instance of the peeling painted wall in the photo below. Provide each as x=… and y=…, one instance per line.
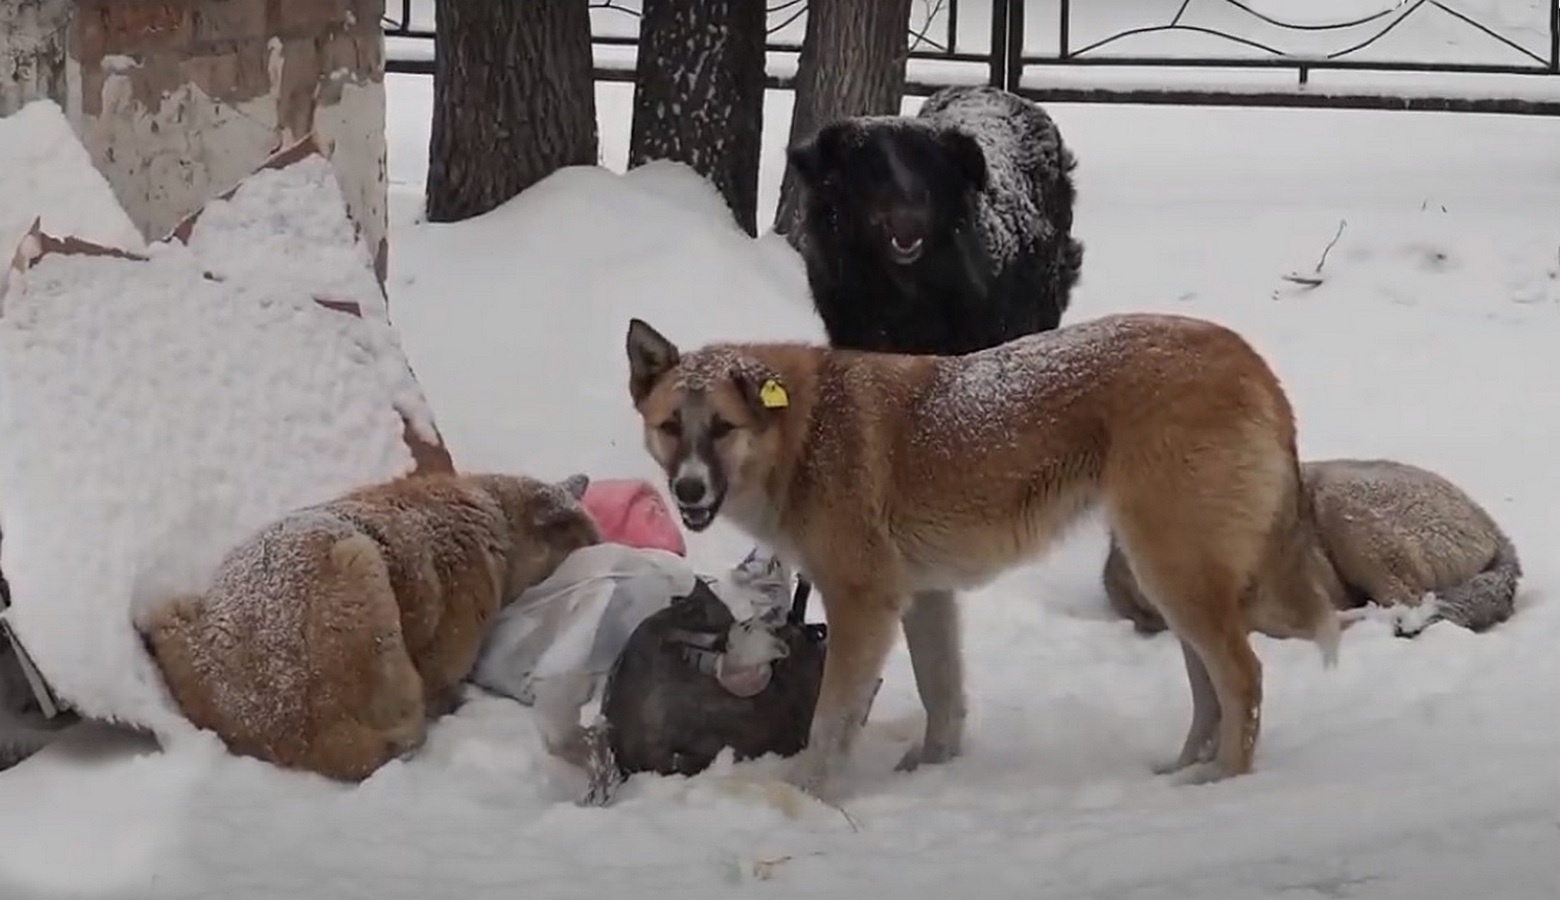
x=177, y=100
x=33, y=35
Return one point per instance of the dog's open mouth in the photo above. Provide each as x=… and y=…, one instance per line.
x=905, y=253
x=697, y=518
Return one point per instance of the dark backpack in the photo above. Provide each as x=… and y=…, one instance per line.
x=660, y=712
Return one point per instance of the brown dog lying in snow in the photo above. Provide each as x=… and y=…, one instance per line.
x=328, y=639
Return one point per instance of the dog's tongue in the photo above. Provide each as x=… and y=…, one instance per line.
x=742, y=681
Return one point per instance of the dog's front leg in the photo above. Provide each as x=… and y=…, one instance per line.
x=931, y=627
x=862, y=626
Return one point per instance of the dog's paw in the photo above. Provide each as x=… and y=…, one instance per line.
x=1204, y=755
x=926, y=754
x=1182, y=763
x=1198, y=773
x=809, y=772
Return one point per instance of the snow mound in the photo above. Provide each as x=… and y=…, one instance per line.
x=159, y=407
x=46, y=173
x=536, y=310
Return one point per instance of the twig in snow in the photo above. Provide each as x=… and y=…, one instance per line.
x=849, y=819
x=1330, y=244
x=1315, y=280
x=764, y=869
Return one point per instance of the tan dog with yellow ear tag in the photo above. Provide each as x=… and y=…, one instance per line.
x=894, y=481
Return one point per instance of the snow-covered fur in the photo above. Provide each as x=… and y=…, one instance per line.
x=1397, y=536
x=944, y=232
x=328, y=638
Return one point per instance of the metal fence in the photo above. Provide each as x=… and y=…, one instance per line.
x=1257, y=70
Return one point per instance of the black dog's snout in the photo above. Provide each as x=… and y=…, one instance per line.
x=689, y=489
x=906, y=225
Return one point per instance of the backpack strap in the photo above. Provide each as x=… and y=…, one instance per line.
x=799, y=601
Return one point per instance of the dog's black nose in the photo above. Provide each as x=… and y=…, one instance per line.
x=906, y=226
x=689, y=490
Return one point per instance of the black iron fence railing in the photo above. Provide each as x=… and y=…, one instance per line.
x=1119, y=51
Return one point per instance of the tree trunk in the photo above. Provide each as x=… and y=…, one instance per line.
x=514, y=100
x=852, y=64
x=699, y=94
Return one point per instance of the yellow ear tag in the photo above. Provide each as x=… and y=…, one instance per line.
x=772, y=394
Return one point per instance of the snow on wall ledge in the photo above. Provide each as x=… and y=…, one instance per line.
x=46, y=174
x=178, y=99
x=158, y=407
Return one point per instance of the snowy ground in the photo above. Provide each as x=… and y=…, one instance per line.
x=1415, y=770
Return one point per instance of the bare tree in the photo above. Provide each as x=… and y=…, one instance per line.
x=852, y=64
x=699, y=94
x=513, y=100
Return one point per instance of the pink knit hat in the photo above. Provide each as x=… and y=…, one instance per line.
x=630, y=511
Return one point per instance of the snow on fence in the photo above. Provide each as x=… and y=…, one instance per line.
x=1492, y=56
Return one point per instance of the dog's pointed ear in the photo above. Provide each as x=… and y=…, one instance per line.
x=650, y=355
x=816, y=155
x=575, y=485
x=967, y=158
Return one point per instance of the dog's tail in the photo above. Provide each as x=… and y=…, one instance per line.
x=1483, y=601
x=1310, y=578
x=1329, y=634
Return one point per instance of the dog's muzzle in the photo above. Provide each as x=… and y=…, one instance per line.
x=697, y=501
x=905, y=253
x=697, y=518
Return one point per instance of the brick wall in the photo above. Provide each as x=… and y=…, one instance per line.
x=179, y=99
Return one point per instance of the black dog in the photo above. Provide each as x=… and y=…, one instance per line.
x=664, y=709
x=945, y=232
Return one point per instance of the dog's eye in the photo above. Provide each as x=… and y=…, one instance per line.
x=671, y=428
x=719, y=428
